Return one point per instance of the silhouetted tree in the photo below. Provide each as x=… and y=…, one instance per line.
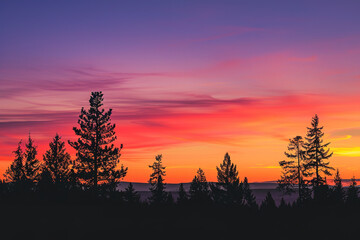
x=57, y=162
x=158, y=194
x=249, y=197
x=283, y=204
x=45, y=185
x=322, y=193
x=268, y=203
x=338, y=191
x=169, y=199
x=293, y=170
x=97, y=157
x=199, y=188
x=352, y=197
x=73, y=181
x=316, y=154
x=130, y=195
x=228, y=189
x=15, y=172
x=183, y=197
x=4, y=189
x=31, y=164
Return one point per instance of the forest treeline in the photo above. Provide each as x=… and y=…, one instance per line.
x=96, y=172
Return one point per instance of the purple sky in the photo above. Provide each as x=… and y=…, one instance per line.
x=189, y=79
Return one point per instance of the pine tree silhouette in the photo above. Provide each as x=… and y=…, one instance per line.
x=131, y=196
x=183, y=197
x=268, y=203
x=32, y=165
x=249, y=197
x=97, y=157
x=228, y=190
x=199, y=188
x=45, y=185
x=283, y=204
x=352, y=197
x=316, y=154
x=73, y=182
x=158, y=194
x=169, y=199
x=322, y=193
x=15, y=172
x=338, y=193
x=293, y=170
x=57, y=163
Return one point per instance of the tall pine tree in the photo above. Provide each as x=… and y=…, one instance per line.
x=293, y=170
x=249, y=198
x=32, y=167
x=45, y=186
x=183, y=196
x=156, y=180
x=15, y=172
x=228, y=189
x=352, y=197
x=317, y=154
x=338, y=191
x=97, y=157
x=57, y=162
x=199, y=188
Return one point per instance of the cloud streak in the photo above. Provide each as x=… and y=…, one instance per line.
x=191, y=82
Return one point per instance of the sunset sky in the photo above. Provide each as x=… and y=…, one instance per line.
x=191, y=80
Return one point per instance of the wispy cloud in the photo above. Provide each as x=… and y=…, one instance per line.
x=347, y=151
x=344, y=132
x=342, y=138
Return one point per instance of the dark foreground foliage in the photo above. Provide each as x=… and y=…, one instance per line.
x=108, y=219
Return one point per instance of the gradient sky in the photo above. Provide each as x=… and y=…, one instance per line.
x=189, y=79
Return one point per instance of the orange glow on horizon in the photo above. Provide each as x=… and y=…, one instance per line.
x=253, y=135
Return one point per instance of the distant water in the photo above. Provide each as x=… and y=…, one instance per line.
x=259, y=189
x=173, y=187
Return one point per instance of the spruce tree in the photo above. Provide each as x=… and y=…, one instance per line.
x=157, y=188
x=338, y=191
x=249, y=197
x=352, y=197
x=169, y=199
x=98, y=159
x=57, y=162
x=130, y=195
x=228, y=189
x=73, y=180
x=183, y=196
x=268, y=203
x=293, y=169
x=32, y=167
x=317, y=154
x=45, y=185
x=15, y=172
x=199, y=188
x=227, y=173
x=283, y=204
